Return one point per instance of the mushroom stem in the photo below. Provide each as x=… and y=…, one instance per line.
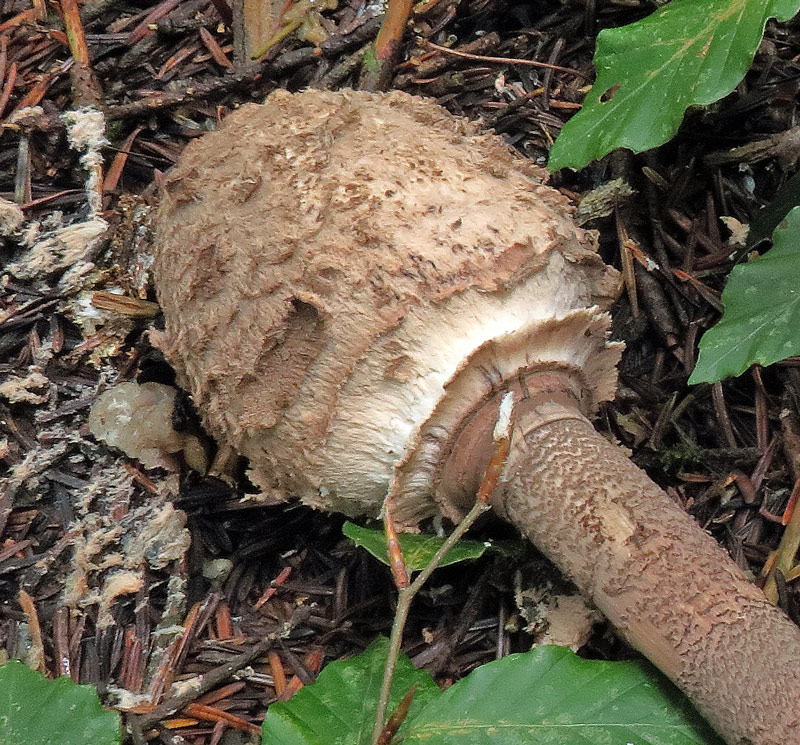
x=661, y=580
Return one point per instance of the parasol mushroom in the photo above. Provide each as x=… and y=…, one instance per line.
x=352, y=282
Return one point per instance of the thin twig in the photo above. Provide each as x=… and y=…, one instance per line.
x=144, y=28
x=36, y=654
x=120, y=159
x=8, y=86
x=628, y=274
x=211, y=88
x=85, y=86
x=212, y=714
x=494, y=470
x=506, y=60
x=206, y=682
x=432, y=63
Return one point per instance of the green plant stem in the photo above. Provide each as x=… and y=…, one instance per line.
x=276, y=38
x=785, y=555
x=404, y=599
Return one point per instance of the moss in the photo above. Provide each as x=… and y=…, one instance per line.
x=370, y=61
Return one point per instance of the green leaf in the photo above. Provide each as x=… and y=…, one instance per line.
x=37, y=711
x=550, y=696
x=761, y=322
x=688, y=53
x=418, y=550
x=339, y=709
x=784, y=9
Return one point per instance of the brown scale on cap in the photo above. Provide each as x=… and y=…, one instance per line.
x=352, y=281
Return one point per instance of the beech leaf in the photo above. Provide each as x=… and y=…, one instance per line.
x=418, y=549
x=549, y=696
x=37, y=711
x=339, y=709
x=687, y=53
x=762, y=311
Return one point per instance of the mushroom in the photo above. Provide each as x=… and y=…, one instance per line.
x=352, y=282
x=138, y=419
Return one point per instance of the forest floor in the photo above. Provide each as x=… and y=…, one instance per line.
x=98, y=577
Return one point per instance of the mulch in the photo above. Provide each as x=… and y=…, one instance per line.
x=275, y=591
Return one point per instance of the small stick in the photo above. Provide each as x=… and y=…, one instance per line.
x=718, y=398
x=221, y=693
x=85, y=86
x=212, y=714
x=242, y=79
x=22, y=177
x=179, y=722
x=314, y=660
x=206, y=682
x=431, y=63
x=292, y=687
x=273, y=587
x=214, y=49
x=26, y=16
x=405, y=596
x=625, y=246
x=217, y=733
x=213, y=87
x=224, y=625
x=396, y=561
x=115, y=172
x=506, y=60
x=61, y=641
x=788, y=513
x=131, y=658
x=35, y=630
x=172, y=657
x=762, y=416
x=14, y=548
x=143, y=28
x=172, y=63
x=278, y=674
x=133, y=307
x=8, y=86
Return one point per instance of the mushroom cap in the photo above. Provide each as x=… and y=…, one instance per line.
x=349, y=278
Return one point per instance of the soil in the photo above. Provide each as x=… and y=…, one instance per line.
x=134, y=578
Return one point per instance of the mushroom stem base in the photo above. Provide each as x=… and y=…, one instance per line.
x=664, y=583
